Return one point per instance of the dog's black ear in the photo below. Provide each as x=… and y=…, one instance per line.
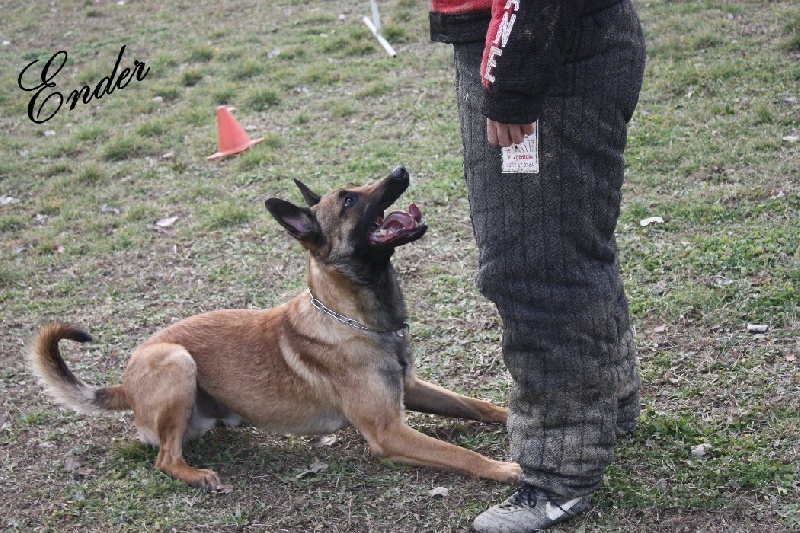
x=309, y=196
x=300, y=222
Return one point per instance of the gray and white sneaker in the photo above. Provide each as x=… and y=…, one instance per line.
x=527, y=510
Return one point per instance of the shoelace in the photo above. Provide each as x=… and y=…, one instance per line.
x=529, y=496
x=524, y=497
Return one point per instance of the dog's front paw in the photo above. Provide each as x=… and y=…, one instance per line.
x=210, y=481
x=499, y=415
x=510, y=473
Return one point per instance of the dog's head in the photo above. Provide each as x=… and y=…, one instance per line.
x=348, y=227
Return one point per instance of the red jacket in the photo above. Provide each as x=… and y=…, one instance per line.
x=526, y=43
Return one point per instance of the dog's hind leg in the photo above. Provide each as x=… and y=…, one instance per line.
x=163, y=381
x=426, y=397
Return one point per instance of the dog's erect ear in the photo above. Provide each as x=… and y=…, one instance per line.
x=310, y=196
x=299, y=221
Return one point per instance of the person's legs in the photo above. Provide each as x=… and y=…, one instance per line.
x=548, y=259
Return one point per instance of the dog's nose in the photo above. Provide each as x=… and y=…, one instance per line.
x=399, y=173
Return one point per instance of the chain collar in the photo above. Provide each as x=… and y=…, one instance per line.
x=402, y=332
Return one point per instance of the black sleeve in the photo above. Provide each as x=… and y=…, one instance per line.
x=523, y=56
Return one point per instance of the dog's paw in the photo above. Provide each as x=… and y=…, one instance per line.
x=500, y=415
x=210, y=481
x=510, y=473
x=222, y=489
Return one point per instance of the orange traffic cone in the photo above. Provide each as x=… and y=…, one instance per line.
x=232, y=137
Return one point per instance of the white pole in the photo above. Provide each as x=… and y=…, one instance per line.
x=374, y=26
x=384, y=42
x=376, y=17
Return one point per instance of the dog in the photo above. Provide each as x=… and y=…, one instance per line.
x=336, y=355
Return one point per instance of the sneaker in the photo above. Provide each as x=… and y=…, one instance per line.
x=527, y=510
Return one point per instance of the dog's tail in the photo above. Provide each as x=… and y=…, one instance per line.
x=59, y=381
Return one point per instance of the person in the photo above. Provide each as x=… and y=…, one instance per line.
x=566, y=74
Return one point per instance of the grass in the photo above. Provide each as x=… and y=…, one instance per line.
x=710, y=151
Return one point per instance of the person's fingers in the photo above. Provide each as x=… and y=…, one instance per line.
x=497, y=133
x=504, y=136
x=516, y=132
x=529, y=129
x=491, y=131
x=507, y=134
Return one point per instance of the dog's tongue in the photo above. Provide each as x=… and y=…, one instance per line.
x=415, y=213
x=401, y=219
x=396, y=224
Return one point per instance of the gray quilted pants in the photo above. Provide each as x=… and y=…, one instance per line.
x=548, y=256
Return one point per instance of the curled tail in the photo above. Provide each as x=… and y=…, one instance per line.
x=59, y=381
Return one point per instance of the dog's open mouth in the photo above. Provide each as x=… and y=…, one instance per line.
x=398, y=225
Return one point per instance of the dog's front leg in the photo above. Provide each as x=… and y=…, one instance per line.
x=426, y=397
x=380, y=420
x=396, y=441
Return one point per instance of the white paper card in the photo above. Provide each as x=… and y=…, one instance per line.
x=523, y=158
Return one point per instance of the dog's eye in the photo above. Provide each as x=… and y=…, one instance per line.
x=349, y=200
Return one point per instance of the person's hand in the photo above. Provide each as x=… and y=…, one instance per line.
x=507, y=134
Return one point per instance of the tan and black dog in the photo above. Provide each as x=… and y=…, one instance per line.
x=336, y=355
